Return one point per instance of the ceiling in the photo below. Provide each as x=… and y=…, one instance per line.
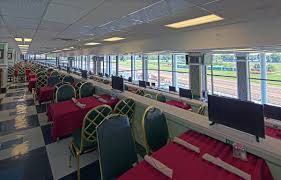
x=58, y=24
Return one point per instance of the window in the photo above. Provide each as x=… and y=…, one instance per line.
x=91, y=64
x=166, y=68
x=124, y=68
x=255, y=77
x=84, y=62
x=152, y=69
x=182, y=71
x=224, y=74
x=138, y=74
x=113, y=60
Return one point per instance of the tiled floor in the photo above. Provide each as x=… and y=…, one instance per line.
x=27, y=151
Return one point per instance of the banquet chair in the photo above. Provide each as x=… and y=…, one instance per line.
x=140, y=92
x=61, y=76
x=148, y=96
x=77, y=87
x=21, y=74
x=126, y=107
x=160, y=97
x=54, y=73
x=202, y=110
x=53, y=80
x=84, y=139
x=155, y=129
x=41, y=73
x=105, y=81
x=11, y=71
x=68, y=79
x=40, y=82
x=86, y=89
x=115, y=131
x=64, y=92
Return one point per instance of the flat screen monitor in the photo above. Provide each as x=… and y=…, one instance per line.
x=153, y=84
x=84, y=74
x=237, y=114
x=100, y=74
x=130, y=79
x=172, y=88
x=117, y=83
x=147, y=83
x=187, y=93
x=272, y=112
x=142, y=84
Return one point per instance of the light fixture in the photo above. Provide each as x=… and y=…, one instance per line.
x=18, y=39
x=196, y=21
x=113, y=39
x=23, y=45
x=66, y=49
x=91, y=44
x=233, y=50
x=27, y=39
x=71, y=47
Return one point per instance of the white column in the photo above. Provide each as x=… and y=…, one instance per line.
x=263, y=78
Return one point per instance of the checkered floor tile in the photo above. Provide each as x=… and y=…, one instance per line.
x=27, y=151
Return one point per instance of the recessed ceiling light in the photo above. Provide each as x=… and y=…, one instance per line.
x=18, y=39
x=23, y=45
x=27, y=39
x=91, y=44
x=66, y=49
x=195, y=21
x=113, y=39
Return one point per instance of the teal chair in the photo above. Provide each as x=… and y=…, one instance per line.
x=77, y=87
x=54, y=73
x=53, y=80
x=160, y=97
x=40, y=82
x=84, y=140
x=86, y=89
x=140, y=92
x=126, y=107
x=115, y=132
x=148, y=96
x=155, y=129
x=65, y=92
x=68, y=79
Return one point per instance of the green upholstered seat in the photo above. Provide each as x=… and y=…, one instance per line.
x=53, y=80
x=68, y=79
x=54, y=73
x=86, y=89
x=115, y=146
x=87, y=145
x=160, y=97
x=155, y=129
x=65, y=92
x=148, y=96
x=126, y=107
x=140, y=92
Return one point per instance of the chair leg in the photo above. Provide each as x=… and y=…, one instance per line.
x=78, y=166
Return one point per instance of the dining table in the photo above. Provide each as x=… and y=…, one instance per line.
x=179, y=104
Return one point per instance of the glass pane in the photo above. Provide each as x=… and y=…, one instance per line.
x=182, y=71
x=254, y=74
x=152, y=67
x=166, y=68
x=125, y=66
x=138, y=68
x=113, y=65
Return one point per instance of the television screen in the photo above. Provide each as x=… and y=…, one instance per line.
x=117, y=83
x=84, y=74
x=130, y=79
x=187, y=93
x=142, y=84
x=147, y=83
x=237, y=114
x=153, y=84
x=172, y=88
x=272, y=112
x=100, y=74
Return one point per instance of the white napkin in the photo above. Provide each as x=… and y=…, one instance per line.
x=96, y=96
x=186, y=144
x=77, y=103
x=272, y=123
x=226, y=166
x=159, y=166
x=102, y=100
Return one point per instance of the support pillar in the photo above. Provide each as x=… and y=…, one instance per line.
x=242, y=76
x=263, y=71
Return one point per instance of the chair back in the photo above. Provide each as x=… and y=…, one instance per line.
x=77, y=87
x=202, y=110
x=54, y=73
x=40, y=73
x=68, y=79
x=160, y=97
x=148, y=96
x=86, y=89
x=61, y=76
x=126, y=107
x=92, y=119
x=115, y=131
x=155, y=129
x=140, y=92
x=40, y=82
x=53, y=80
x=11, y=71
x=65, y=92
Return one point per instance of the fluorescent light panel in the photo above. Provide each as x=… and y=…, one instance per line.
x=27, y=39
x=227, y=50
x=91, y=44
x=23, y=45
x=114, y=39
x=196, y=21
x=18, y=39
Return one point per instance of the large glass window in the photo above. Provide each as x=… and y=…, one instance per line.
x=152, y=69
x=166, y=68
x=138, y=74
x=182, y=71
x=255, y=77
x=113, y=60
x=91, y=63
x=224, y=74
x=124, y=68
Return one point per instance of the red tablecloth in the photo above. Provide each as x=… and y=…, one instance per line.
x=27, y=72
x=187, y=164
x=67, y=117
x=31, y=83
x=30, y=76
x=46, y=94
x=179, y=104
x=275, y=133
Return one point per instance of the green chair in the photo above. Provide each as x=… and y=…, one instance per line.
x=202, y=110
x=155, y=129
x=40, y=82
x=140, y=92
x=11, y=71
x=86, y=89
x=21, y=75
x=53, y=80
x=54, y=73
x=65, y=92
x=148, y=96
x=68, y=79
x=126, y=107
x=115, y=132
x=61, y=76
x=160, y=97
x=84, y=140
x=40, y=73
x=77, y=87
